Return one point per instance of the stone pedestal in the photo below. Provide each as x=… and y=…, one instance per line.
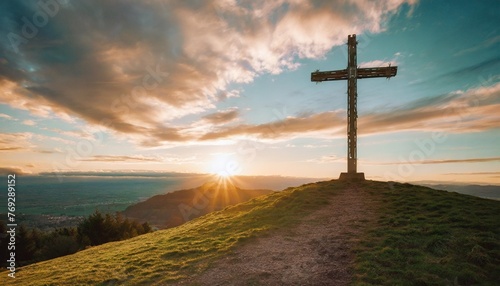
x=352, y=177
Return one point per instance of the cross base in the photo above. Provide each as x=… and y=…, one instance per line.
x=352, y=177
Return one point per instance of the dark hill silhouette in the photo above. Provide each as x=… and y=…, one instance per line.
x=175, y=208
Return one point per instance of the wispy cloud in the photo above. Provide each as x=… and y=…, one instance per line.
x=327, y=159
x=138, y=159
x=316, y=146
x=378, y=63
x=222, y=116
x=43, y=138
x=490, y=64
x=473, y=160
x=447, y=161
x=104, y=158
x=43, y=151
x=475, y=174
x=14, y=148
x=10, y=171
x=5, y=116
x=283, y=129
x=29, y=122
x=483, y=45
x=16, y=141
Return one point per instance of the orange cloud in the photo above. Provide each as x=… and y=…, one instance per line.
x=459, y=112
x=10, y=171
x=222, y=116
x=282, y=129
x=16, y=141
x=104, y=158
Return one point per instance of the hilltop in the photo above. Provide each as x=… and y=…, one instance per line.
x=175, y=208
x=325, y=233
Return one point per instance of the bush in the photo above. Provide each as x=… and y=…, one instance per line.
x=98, y=229
x=33, y=245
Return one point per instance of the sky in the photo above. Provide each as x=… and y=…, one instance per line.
x=224, y=87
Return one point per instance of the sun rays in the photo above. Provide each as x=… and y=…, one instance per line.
x=224, y=189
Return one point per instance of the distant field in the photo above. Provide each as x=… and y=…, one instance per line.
x=81, y=196
x=486, y=192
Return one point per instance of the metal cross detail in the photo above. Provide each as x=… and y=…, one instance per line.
x=351, y=74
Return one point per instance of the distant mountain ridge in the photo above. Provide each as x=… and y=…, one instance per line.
x=491, y=192
x=175, y=208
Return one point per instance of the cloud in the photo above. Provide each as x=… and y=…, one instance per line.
x=76, y=134
x=134, y=67
x=223, y=116
x=46, y=151
x=283, y=129
x=449, y=161
x=27, y=142
x=132, y=159
x=378, y=63
x=12, y=171
x=179, y=160
x=476, y=173
x=473, y=160
x=126, y=173
x=14, y=148
x=5, y=116
x=316, y=146
x=43, y=138
x=483, y=45
x=490, y=65
x=327, y=159
x=138, y=159
x=29, y=122
x=16, y=141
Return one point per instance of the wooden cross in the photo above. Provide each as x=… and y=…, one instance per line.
x=351, y=74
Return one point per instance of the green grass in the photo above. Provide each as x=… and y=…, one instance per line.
x=430, y=237
x=173, y=254
x=419, y=237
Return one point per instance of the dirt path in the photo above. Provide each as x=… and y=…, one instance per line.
x=313, y=253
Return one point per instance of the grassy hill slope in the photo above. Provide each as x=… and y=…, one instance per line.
x=421, y=236
x=175, y=208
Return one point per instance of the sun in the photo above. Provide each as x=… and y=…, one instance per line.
x=224, y=166
x=223, y=174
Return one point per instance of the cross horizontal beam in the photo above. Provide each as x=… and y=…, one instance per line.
x=329, y=75
x=360, y=73
x=377, y=72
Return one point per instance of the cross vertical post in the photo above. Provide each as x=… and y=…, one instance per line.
x=352, y=112
x=351, y=74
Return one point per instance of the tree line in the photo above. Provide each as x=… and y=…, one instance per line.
x=33, y=245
